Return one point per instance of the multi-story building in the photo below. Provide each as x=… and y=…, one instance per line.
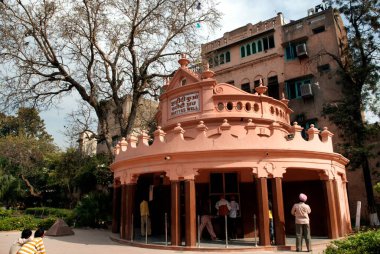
x=295, y=60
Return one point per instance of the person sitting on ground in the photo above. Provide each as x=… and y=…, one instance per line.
x=36, y=246
x=26, y=236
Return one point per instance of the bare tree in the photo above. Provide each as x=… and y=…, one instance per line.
x=105, y=50
x=80, y=121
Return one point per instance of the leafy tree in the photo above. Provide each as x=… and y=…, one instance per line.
x=107, y=51
x=360, y=82
x=24, y=143
x=73, y=174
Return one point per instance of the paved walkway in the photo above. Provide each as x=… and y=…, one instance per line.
x=93, y=241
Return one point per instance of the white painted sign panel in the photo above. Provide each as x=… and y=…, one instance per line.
x=184, y=104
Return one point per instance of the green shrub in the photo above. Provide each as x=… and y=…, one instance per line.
x=25, y=221
x=46, y=223
x=67, y=215
x=5, y=213
x=94, y=210
x=18, y=223
x=361, y=243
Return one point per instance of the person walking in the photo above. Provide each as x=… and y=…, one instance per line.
x=145, y=218
x=206, y=220
x=301, y=212
x=26, y=236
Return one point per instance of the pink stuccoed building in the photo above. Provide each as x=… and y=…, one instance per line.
x=214, y=139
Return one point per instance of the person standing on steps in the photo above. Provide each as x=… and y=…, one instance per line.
x=223, y=207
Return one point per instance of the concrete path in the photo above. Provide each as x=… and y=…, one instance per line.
x=93, y=241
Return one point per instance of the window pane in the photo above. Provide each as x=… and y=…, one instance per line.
x=228, y=57
x=248, y=49
x=246, y=87
x=253, y=48
x=259, y=46
x=265, y=42
x=298, y=88
x=221, y=58
x=231, y=182
x=271, y=41
x=216, y=183
x=242, y=51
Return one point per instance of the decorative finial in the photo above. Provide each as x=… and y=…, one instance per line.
x=261, y=88
x=183, y=61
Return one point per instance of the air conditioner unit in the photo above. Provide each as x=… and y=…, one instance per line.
x=301, y=50
x=306, y=90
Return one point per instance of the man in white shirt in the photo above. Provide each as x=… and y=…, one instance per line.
x=223, y=208
x=301, y=211
x=232, y=217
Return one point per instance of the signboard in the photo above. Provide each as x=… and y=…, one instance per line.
x=184, y=104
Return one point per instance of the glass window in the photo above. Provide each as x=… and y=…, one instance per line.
x=221, y=58
x=273, y=87
x=228, y=57
x=259, y=46
x=253, y=47
x=293, y=88
x=248, y=49
x=231, y=182
x=246, y=87
x=216, y=183
x=242, y=51
x=216, y=60
x=210, y=62
x=226, y=184
x=265, y=42
x=271, y=41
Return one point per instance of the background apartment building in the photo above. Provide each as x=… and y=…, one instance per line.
x=293, y=59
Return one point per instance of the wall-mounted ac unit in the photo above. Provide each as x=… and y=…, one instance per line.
x=301, y=50
x=306, y=90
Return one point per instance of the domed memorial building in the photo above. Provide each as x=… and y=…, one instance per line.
x=216, y=140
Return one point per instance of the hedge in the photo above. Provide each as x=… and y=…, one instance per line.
x=25, y=221
x=67, y=215
x=361, y=243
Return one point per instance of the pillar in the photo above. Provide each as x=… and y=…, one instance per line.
x=278, y=211
x=331, y=214
x=123, y=211
x=190, y=213
x=175, y=213
x=338, y=210
x=263, y=209
x=116, y=207
x=131, y=189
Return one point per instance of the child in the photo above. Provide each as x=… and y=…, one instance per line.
x=25, y=237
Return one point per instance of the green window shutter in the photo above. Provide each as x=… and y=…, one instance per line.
x=228, y=57
x=242, y=51
x=253, y=47
x=248, y=47
x=259, y=46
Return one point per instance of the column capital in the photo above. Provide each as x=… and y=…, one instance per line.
x=329, y=174
x=129, y=178
x=268, y=170
x=178, y=172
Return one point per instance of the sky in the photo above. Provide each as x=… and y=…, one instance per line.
x=236, y=13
